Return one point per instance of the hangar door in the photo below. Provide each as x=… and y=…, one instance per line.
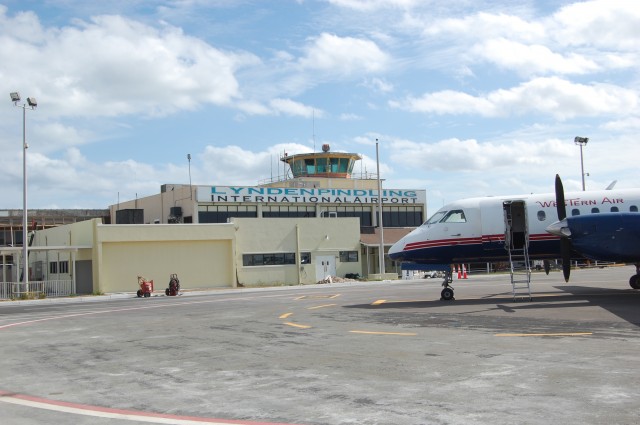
x=198, y=264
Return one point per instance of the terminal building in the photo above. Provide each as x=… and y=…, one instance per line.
x=319, y=220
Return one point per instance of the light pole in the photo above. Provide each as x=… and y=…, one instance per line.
x=381, y=253
x=582, y=141
x=190, y=189
x=31, y=102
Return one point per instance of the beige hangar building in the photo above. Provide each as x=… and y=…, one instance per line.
x=320, y=220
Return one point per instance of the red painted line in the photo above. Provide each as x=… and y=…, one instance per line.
x=135, y=413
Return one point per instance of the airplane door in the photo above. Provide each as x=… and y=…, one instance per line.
x=325, y=267
x=493, y=226
x=516, y=227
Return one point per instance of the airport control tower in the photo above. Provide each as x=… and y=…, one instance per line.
x=324, y=169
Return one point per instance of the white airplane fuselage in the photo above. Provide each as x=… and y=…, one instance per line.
x=474, y=229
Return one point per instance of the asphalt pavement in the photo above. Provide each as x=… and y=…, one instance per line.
x=352, y=353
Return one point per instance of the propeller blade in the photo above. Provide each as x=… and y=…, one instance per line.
x=565, y=242
x=560, y=206
x=565, y=251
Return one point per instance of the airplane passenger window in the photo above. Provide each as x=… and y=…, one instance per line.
x=633, y=208
x=575, y=211
x=595, y=210
x=455, y=216
x=614, y=209
x=436, y=217
x=542, y=216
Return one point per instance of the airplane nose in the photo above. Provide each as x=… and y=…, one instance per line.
x=395, y=252
x=559, y=228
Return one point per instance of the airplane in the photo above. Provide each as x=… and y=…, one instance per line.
x=489, y=229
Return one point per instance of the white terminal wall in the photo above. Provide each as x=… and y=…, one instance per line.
x=319, y=236
x=205, y=255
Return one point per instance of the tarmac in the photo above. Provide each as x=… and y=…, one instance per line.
x=344, y=353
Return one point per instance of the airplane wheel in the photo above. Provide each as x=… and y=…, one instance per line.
x=139, y=293
x=633, y=281
x=446, y=294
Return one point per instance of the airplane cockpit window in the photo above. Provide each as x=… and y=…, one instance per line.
x=595, y=210
x=454, y=216
x=633, y=208
x=614, y=209
x=435, y=218
x=542, y=216
x=575, y=211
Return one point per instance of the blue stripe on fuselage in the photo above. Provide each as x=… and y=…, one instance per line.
x=475, y=253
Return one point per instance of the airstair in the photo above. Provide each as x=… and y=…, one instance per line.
x=517, y=244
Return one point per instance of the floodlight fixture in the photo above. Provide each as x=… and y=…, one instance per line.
x=32, y=102
x=15, y=97
x=581, y=141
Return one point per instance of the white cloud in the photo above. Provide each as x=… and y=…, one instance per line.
x=484, y=25
x=290, y=107
x=532, y=59
x=553, y=96
x=611, y=24
x=344, y=55
x=234, y=164
x=371, y=5
x=350, y=117
x=112, y=65
x=469, y=155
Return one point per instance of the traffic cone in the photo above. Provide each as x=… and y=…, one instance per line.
x=464, y=272
x=459, y=271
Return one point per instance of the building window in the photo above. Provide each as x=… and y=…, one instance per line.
x=361, y=212
x=274, y=259
x=53, y=267
x=63, y=267
x=349, y=256
x=288, y=211
x=222, y=213
x=402, y=216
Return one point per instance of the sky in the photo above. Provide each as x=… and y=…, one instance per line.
x=465, y=98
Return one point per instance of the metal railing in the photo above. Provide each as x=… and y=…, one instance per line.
x=36, y=289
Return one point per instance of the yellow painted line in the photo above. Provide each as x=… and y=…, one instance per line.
x=550, y=334
x=321, y=306
x=295, y=325
x=284, y=316
x=310, y=297
x=378, y=302
x=384, y=333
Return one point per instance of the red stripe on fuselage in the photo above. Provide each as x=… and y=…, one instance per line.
x=472, y=241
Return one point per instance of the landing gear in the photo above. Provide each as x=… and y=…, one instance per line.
x=634, y=280
x=447, y=292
